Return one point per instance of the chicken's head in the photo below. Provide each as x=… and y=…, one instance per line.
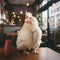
x=30, y=19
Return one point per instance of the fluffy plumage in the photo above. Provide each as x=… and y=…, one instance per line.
x=30, y=35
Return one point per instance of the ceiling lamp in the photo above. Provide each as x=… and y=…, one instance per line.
x=18, y=16
x=27, y=4
x=21, y=12
x=13, y=13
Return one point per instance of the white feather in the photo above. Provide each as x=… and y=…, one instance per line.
x=30, y=35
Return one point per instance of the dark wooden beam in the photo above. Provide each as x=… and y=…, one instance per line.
x=37, y=2
x=19, y=4
x=47, y=5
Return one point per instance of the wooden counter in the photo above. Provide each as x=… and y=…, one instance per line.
x=11, y=34
x=44, y=54
x=15, y=34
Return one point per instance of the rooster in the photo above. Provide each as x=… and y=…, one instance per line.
x=29, y=37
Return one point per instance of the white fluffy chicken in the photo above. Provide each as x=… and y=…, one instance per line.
x=29, y=37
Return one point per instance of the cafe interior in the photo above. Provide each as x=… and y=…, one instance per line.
x=12, y=16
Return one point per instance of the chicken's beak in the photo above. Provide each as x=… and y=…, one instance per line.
x=28, y=21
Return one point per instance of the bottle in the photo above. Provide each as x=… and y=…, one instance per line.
x=8, y=48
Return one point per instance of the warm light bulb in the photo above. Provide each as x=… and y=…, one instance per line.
x=14, y=15
x=27, y=4
x=13, y=12
x=21, y=12
x=18, y=16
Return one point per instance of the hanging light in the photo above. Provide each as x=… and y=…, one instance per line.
x=27, y=4
x=18, y=17
x=13, y=13
x=21, y=12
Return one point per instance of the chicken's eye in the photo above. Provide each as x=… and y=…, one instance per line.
x=31, y=19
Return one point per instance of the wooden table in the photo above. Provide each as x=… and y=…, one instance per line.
x=11, y=34
x=44, y=54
